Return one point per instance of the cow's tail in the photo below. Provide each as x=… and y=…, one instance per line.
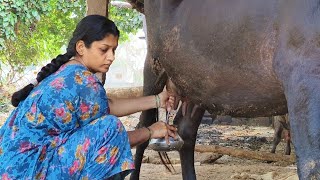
x=166, y=162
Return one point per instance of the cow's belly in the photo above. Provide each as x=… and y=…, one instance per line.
x=223, y=60
x=233, y=90
x=233, y=75
x=230, y=91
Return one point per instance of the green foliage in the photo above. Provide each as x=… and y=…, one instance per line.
x=39, y=40
x=127, y=20
x=13, y=12
x=55, y=29
x=28, y=12
x=33, y=31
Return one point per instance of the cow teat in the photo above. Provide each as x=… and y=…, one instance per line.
x=172, y=89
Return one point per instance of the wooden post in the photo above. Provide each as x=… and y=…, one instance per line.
x=99, y=7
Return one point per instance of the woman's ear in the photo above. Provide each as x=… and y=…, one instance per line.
x=80, y=46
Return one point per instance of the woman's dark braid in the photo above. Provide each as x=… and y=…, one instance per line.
x=53, y=66
x=45, y=71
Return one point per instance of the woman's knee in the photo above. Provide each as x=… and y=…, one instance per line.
x=112, y=122
x=110, y=127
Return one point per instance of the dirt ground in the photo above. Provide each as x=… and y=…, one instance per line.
x=227, y=167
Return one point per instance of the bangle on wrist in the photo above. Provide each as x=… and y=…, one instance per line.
x=157, y=100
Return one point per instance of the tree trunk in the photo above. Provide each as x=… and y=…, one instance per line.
x=99, y=7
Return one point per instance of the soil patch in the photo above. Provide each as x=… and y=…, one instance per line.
x=225, y=168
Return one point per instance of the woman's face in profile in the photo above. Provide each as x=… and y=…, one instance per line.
x=101, y=54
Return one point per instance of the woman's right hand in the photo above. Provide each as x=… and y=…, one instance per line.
x=161, y=129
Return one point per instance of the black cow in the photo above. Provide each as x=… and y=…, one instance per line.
x=241, y=58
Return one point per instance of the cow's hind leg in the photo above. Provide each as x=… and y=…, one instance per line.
x=278, y=129
x=188, y=120
x=288, y=142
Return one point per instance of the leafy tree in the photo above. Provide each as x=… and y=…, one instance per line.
x=127, y=20
x=14, y=13
x=38, y=40
x=34, y=31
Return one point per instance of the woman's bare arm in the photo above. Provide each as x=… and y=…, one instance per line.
x=138, y=136
x=123, y=107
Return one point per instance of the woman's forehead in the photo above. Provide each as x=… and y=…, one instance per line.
x=109, y=40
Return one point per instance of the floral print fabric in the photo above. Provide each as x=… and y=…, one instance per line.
x=63, y=130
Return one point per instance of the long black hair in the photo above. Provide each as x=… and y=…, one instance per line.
x=91, y=28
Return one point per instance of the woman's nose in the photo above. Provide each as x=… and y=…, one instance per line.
x=111, y=56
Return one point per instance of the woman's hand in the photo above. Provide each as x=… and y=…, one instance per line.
x=167, y=100
x=161, y=129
